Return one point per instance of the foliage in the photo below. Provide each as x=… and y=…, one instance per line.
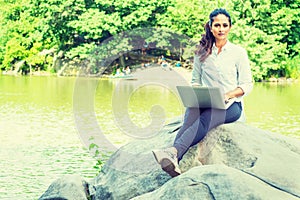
x=70, y=30
x=101, y=157
x=275, y=25
x=19, y=40
x=293, y=67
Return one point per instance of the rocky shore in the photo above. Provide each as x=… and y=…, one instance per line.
x=234, y=161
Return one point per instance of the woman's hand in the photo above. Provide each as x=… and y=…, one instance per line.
x=237, y=92
x=227, y=97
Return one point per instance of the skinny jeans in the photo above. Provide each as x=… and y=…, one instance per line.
x=198, y=122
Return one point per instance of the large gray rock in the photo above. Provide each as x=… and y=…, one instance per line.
x=273, y=158
x=132, y=170
x=68, y=187
x=234, y=161
x=216, y=182
x=264, y=160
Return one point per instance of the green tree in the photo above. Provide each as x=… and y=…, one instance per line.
x=55, y=15
x=14, y=40
x=71, y=29
x=104, y=19
x=275, y=26
x=20, y=43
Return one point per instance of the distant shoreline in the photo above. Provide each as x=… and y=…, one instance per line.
x=186, y=73
x=37, y=73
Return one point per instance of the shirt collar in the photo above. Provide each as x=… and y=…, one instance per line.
x=224, y=48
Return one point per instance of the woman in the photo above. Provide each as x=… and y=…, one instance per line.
x=217, y=63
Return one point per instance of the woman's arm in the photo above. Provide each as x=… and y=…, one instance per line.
x=197, y=72
x=244, y=78
x=245, y=81
x=237, y=92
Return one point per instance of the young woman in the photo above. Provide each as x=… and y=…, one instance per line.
x=217, y=63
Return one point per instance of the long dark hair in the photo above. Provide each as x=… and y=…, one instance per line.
x=208, y=39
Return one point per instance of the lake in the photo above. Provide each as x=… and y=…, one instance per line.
x=47, y=122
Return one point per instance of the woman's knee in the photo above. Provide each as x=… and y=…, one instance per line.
x=233, y=113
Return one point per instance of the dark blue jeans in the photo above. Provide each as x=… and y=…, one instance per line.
x=198, y=122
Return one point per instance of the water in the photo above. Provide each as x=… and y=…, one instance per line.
x=39, y=137
x=275, y=107
x=39, y=142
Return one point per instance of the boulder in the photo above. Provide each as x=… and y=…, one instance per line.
x=234, y=161
x=66, y=188
x=270, y=157
x=216, y=182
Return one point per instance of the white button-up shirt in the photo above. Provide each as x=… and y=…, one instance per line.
x=227, y=70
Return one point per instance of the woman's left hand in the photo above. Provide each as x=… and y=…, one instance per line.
x=227, y=97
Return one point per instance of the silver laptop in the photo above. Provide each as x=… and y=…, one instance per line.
x=203, y=97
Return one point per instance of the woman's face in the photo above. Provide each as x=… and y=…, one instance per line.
x=220, y=27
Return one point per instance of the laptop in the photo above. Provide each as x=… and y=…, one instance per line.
x=203, y=97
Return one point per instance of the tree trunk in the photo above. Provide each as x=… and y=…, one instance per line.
x=122, y=61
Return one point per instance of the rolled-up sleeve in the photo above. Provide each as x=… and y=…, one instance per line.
x=245, y=81
x=196, y=73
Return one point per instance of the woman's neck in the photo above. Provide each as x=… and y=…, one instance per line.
x=219, y=44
